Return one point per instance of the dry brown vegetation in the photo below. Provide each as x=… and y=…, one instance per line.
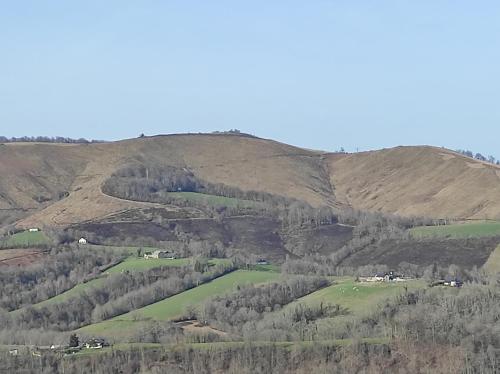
x=20, y=256
x=420, y=181
x=54, y=184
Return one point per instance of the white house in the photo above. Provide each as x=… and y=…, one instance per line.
x=95, y=344
x=33, y=230
x=82, y=241
x=160, y=254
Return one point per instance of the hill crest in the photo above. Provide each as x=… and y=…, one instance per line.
x=60, y=184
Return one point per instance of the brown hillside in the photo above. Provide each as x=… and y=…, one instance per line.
x=52, y=184
x=423, y=181
x=244, y=162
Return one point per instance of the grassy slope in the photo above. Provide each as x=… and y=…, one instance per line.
x=358, y=303
x=72, y=292
x=357, y=297
x=174, y=307
x=461, y=230
x=213, y=200
x=141, y=264
x=130, y=264
x=25, y=239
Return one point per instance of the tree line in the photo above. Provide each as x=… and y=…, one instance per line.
x=478, y=156
x=61, y=269
x=249, y=303
x=117, y=294
x=47, y=139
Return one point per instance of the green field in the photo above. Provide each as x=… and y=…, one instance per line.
x=72, y=292
x=358, y=298
x=129, y=264
x=459, y=230
x=25, y=239
x=175, y=306
x=268, y=267
x=141, y=264
x=214, y=200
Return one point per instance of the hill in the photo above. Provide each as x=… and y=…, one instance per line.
x=418, y=181
x=56, y=184
x=61, y=184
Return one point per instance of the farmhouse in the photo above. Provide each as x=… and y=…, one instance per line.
x=452, y=282
x=262, y=261
x=95, y=344
x=160, y=254
x=82, y=241
x=391, y=276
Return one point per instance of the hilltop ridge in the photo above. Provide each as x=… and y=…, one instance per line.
x=61, y=184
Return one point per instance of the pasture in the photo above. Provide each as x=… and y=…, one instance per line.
x=130, y=264
x=176, y=306
x=141, y=264
x=72, y=292
x=214, y=200
x=25, y=239
x=357, y=297
x=458, y=231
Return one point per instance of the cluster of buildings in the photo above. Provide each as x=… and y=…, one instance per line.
x=94, y=343
x=449, y=281
x=160, y=254
x=390, y=276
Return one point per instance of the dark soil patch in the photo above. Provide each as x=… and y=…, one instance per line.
x=323, y=240
x=443, y=252
x=253, y=235
x=152, y=214
x=20, y=256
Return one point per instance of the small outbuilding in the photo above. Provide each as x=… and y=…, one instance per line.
x=34, y=229
x=82, y=241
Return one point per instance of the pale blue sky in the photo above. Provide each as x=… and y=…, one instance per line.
x=319, y=74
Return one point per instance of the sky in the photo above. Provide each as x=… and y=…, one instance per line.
x=317, y=74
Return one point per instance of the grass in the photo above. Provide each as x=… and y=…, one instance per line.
x=358, y=300
x=129, y=264
x=493, y=263
x=268, y=267
x=357, y=297
x=176, y=306
x=25, y=239
x=459, y=230
x=214, y=200
x=72, y=292
x=141, y=264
